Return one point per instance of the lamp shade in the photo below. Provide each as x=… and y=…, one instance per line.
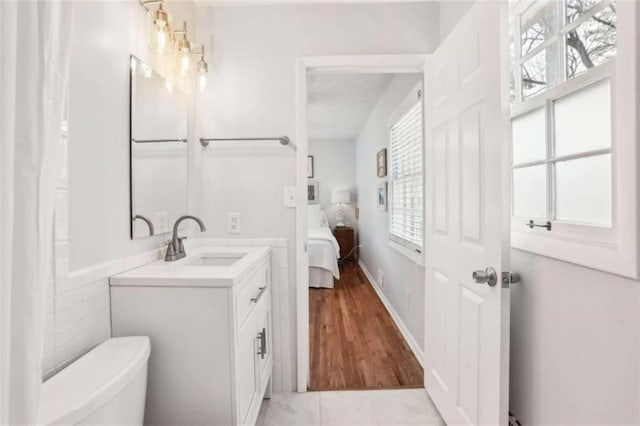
x=340, y=196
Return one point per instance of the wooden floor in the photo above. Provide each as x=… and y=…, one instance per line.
x=354, y=342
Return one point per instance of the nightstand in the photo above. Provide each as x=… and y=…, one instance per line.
x=346, y=241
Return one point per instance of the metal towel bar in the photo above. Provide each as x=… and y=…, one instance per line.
x=284, y=140
x=158, y=140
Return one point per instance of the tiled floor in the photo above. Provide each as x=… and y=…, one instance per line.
x=350, y=408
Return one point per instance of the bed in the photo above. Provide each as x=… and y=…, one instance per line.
x=323, y=251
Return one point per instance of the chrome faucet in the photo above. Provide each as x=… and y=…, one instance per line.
x=175, y=247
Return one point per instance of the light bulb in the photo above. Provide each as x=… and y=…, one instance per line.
x=161, y=28
x=169, y=85
x=185, y=63
x=161, y=38
x=202, y=68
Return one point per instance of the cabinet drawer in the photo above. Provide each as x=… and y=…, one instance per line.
x=251, y=292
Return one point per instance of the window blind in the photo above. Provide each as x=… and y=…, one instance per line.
x=406, y=178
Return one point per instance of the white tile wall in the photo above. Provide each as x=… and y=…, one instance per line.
x=77, y=312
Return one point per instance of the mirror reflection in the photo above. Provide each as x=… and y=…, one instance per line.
x=158, y=143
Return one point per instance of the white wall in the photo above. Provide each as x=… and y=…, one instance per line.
x=451, y=11
x=574, y=344
x=104, y=34
x=92, y=208
x=335, y=168
x=403, y=279
x=252, y=92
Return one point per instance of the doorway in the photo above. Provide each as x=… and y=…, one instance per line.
x=361, y=126
x=314, y=66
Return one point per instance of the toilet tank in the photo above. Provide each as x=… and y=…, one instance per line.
x=107, y=386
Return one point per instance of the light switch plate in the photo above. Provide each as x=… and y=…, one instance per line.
x=290, y=196
x=233, y=222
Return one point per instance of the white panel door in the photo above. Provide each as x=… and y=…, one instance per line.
x=467, y=218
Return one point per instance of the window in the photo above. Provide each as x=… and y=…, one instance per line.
x=563, y=85
x=561, y=120
x=406, y=223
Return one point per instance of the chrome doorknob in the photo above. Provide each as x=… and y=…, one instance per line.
x=488, y=276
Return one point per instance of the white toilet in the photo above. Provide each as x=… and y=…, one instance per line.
x=107, y=386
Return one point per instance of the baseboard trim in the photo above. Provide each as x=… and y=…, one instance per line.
x=415, y=348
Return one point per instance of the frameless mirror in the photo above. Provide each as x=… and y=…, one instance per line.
x=158, y=153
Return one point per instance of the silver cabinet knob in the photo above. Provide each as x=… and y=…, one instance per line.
x=488, y=276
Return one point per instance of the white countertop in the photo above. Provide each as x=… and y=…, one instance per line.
x=181, y=273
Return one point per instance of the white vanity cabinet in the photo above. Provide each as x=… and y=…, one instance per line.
x=210, y=334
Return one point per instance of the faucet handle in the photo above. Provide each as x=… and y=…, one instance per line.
x=181, y=244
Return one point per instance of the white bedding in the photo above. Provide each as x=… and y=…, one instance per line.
x=323, y=250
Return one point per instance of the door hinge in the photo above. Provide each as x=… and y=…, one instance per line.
x=510, y=278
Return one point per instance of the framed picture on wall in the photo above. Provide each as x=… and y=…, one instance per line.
x=313, y=193
x=310, y=166
x=382, y=162
x=382, y=196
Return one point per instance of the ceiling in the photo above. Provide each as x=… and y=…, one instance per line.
x=340, y=104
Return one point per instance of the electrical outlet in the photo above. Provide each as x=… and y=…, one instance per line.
x=233, y=223
x=290, y=196
x=380, y=278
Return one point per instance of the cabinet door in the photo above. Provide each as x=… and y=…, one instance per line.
x=247, y=368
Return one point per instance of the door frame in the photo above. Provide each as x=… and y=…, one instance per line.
x=351, y=64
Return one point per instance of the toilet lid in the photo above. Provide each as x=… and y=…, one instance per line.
x=92, y=380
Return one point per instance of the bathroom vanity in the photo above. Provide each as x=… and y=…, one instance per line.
x=208, y=316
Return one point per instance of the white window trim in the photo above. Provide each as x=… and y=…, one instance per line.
x=615, y=249
x=403, y=108
x=408, y=253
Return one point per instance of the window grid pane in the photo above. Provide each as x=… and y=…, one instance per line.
x=530, y=192
x=583, y=190
x=592, y=43
x=582, y=120
x=539, y=29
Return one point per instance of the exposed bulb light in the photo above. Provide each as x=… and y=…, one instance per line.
x=185, y=63
x=161, y=28
x=184, y=51
x=169, y=86
x=201, y=70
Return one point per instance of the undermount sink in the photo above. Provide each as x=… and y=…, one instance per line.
x=217, y=259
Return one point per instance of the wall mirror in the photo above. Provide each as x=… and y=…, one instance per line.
x=158, y=152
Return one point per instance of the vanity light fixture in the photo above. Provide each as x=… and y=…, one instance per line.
x=161, y=31
x=164, y=40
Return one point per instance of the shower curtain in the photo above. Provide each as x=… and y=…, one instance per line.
x=34, y=46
